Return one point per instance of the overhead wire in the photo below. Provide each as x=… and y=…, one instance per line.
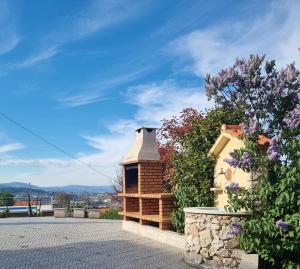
x=54, y=146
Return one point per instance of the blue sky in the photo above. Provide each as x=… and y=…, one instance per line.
x=84, y=74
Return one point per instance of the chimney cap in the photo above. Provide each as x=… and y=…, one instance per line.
x=150, y=129
x=145, y=146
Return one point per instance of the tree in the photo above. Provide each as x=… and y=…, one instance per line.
x=118, y=181
x=62, y=199
x=270, y=102
x=191, y=171
x=6, y=199
x=171, y=136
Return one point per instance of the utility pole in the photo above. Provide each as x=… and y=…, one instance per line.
x=29, y=203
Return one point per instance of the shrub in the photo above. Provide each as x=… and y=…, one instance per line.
x=270, y=101
x=4, y=213
x=191, y=170
x=110, y=214
x=68, y=212
x=6, y=199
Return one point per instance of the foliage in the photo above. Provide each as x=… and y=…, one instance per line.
x=78, y=205
x=6, y=199
x=192, y=170
x=110, y=214
x=171, y=136
x=68, y=212
x=4, y=213
x=62, y=199
x=39, y=213
x=270, y=101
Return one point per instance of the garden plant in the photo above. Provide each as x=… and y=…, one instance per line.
x=269, y=100
x=189, y=170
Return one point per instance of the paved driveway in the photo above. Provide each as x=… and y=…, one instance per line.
x=79, y=243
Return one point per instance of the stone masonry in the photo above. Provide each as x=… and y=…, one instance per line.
x=209, y=242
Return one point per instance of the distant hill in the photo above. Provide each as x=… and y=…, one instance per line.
x=23, y=187
x=19, y=187
x=80, y=188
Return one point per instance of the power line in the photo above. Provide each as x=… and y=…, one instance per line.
x=54, y=146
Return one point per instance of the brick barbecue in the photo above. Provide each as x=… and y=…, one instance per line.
x=143, y=196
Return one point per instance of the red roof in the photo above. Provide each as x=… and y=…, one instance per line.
x=25, y=203
x=237, y=130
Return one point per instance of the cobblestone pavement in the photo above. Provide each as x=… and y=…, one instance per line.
x=79, y=243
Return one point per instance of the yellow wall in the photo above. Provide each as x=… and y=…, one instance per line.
x=239, y=176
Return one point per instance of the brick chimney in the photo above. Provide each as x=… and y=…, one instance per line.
x=143, y=196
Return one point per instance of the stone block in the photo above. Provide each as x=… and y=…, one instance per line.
x=223, y=252
x=225, y=233
x=193, y=230
x=192, y=259
x=204, y=253
x=233, y=243
x=237, y=253
x=205, y=238
x=217, y=244
x=230, y=262
x=78, y=213
x=59, y=212
x=94, y=213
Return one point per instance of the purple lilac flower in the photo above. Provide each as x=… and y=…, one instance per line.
x=233, y=187
x=293, y=118
x=249, y=113
x=282, y=225
x=252, y=128
x=269, y=131
x=244, y=163
x=273, y=150
x=236, y=229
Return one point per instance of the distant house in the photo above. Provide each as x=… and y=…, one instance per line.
x=25, y=203
x=229, y=140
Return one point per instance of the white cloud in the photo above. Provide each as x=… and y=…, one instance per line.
x=8, y=38
x=110, y=148
x=275, y=33
x=56, y=171
x=103, y=13
x=158, y=101
x=36, y=58
x=96, y=92
x=10, y=147
x=43, y=162
x=99, y=14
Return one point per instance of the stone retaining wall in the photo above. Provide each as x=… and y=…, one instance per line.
x=209, y=242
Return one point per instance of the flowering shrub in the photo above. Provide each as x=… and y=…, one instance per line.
x=270, y=101
x=236, y=229
x=185, y=143
x=282, y=225
x=171, y=136
x=233, y=187
x=273, y=150
x=244, y=162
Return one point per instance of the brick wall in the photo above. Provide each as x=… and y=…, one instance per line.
x=131, y=204
x=166, y=207
x=149, y=206
x=150, y=177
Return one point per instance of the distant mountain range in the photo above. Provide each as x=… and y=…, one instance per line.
x=21, y=187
